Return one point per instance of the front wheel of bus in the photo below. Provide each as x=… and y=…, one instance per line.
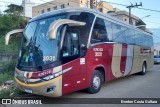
x=96, y=82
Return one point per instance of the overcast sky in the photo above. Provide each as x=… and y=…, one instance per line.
x=152, y=22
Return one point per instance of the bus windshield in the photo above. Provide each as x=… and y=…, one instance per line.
x=36, y=47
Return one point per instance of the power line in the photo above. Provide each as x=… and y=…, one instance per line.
x=137, y=8
x=115, y=3
x=149, y=9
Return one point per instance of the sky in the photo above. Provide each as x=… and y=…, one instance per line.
x=152, y=22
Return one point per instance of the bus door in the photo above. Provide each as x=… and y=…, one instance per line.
x=74, y=75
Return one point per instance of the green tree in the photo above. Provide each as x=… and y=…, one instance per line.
x=12, y=19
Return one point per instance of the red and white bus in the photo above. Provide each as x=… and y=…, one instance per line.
x=71, y=49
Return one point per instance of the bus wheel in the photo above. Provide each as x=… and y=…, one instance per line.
x=96, y=82
x=144, y=69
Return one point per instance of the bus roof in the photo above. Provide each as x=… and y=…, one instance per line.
x=95, y=12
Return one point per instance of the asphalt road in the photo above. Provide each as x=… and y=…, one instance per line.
x=134, y=86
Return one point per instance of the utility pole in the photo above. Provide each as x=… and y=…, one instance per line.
x=130, y=7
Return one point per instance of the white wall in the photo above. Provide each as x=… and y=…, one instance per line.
x=27, y=8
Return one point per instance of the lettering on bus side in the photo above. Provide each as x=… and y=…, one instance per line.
x=98, y=51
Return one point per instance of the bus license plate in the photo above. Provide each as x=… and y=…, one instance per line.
x=28, y=90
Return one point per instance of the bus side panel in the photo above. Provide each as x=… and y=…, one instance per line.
x=136, y=60
x=70, y=72
x=99, y=56
x=147, y=54
x=74, y=76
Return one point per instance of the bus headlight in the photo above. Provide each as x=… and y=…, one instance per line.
x=52, y=76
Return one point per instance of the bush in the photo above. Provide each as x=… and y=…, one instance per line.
x=10, y=93
x=13, y=46
x=5, y=76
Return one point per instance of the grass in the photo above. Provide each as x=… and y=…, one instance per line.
x=6, y=75
x=11, y=93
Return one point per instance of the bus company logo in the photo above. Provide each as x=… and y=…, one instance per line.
x=98, y=49
x=6, y=101
x=44, y=73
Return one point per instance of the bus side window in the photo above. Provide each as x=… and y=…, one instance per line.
x=70, y=49
x=108, y=25
x=99, y=33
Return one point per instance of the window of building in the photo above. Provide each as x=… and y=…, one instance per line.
x=49, y=9
x=55, y=7
x=99, y=33
x=42, y=11
x=100, y=9
x=62, y=6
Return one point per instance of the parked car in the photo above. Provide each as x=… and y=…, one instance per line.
x=156, y=59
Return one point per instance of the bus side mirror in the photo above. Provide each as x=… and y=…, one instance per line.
x=83, y=50
x=7, y=37
x=55, y=25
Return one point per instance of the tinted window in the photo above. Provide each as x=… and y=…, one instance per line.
x=71, y=43
x=109, y=29
x=70, y=49
x=130, y=36
x=99, y=33
x=119, y=33
x=83, y=30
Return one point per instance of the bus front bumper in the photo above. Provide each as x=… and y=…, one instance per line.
x=51, y=88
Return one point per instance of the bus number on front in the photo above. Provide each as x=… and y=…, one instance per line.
x=98, y=53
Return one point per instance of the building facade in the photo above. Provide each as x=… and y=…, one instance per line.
x=58, y=4
x=124, y=16
x=27, y=8
x=104, y=7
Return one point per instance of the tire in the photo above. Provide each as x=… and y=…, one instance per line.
x=96, y=82
x=144, y=69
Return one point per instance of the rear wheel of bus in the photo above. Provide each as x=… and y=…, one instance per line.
x=144, y=69
x=96, y=82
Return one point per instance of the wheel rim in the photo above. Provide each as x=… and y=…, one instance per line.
x=96, y=82
x=144, y=68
